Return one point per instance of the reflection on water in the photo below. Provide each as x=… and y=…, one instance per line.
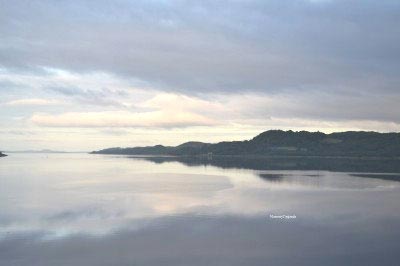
x=377, y=165
x=79, y=209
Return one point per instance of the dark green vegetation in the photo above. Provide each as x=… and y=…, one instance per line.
x=284, y=143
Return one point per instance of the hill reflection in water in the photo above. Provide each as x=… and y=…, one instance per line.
x=384, y=166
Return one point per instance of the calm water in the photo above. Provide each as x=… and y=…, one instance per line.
x=80, y=209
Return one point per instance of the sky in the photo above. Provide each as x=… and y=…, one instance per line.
x=85, y=75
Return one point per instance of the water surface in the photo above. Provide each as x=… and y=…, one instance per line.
x=81, y=209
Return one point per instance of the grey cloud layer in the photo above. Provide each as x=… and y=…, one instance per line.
x=251, y=45
x=103, y=96
x=322, y=60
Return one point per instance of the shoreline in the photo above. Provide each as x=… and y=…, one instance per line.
x=255, y=156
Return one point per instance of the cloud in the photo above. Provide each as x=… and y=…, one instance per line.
x=182, y=103
x=102, y=97
x=123, y=119
x=243, y=65
x=263, y=46
x=163, y=110
x=281, y=110
x=316, y=105
x=94, y=89
x=32, y=102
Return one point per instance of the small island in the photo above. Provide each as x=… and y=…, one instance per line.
x=2, y=154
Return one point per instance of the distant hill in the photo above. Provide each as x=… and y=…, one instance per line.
x=283, y=143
